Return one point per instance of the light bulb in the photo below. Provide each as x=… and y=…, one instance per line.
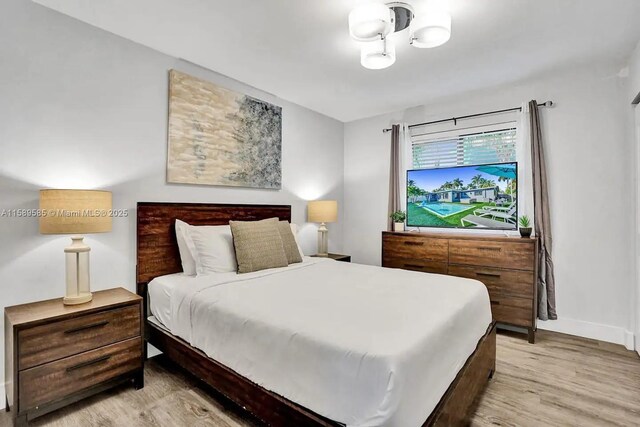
x=378, y=54
x=370, y=22
x=430, y=29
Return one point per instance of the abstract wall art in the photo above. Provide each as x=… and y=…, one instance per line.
x=221, y=137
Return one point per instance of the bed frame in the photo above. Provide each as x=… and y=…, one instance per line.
x=157, y=255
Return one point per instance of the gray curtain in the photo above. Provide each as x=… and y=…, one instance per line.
x=546, y=280
x=394, y=174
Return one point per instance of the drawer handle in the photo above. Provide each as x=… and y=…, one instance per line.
x=489, y=248
x=413, y=266
x=89, y=363
x=482, y=273
x=85, y=327
x=414, y=243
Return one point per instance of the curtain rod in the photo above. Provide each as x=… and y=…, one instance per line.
x=455, y=119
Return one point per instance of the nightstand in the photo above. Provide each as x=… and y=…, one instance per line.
x=57, y=354
x=337, y=257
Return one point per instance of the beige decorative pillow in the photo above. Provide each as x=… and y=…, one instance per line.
x=289, y=243
x=258, y=245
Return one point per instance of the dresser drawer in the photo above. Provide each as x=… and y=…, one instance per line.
x=415, y=247
x=423, y=265
x=498, y=282
x=54, y=380
x=500, y=254
x=512, y=310
x=53, y=341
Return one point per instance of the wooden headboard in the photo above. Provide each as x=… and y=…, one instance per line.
x=157, y=248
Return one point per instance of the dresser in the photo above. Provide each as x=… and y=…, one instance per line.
x=57, y=354
x=506, y=265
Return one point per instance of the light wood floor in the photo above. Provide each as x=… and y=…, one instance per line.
x=559, y=381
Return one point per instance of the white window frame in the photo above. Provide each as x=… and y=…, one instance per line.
x=455, y=134
x=518, y=120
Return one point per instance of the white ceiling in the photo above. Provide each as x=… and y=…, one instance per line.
x=300, y=50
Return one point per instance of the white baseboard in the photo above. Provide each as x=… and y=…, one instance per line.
x=2, y=398
x=596, y=331
x=629, y=340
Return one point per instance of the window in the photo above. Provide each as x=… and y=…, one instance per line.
x=480, y=147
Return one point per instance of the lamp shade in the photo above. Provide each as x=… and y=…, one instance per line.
x=370, y=22
x=430, y=29
x=75, y=211
x=322, y=211
x=378, y=54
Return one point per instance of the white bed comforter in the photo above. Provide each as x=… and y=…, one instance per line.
x=362, y=345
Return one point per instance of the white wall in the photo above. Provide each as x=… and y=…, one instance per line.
x=633, y=91
x=635, y=305
x=590, y=167
x=634, y=73
x=82, y=108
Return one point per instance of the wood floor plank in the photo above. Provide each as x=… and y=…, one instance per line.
x=559, y=381
x=576, y=382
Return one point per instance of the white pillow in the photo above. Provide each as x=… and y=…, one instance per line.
x=186, y=248
x=294, y=230
x=214, y=249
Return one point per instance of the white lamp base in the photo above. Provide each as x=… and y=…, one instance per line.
x=77, y=268
x=77, y=299
x=323, y=241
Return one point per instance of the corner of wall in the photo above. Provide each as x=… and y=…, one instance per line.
x=629, y=340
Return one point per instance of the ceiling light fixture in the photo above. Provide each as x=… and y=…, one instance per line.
x=430, y=30
x=370, y=22
x=373, y=23
x=378, y=54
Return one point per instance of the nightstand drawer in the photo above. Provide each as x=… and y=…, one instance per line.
x=58, y=379
x=53, y=341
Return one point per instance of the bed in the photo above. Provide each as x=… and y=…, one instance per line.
x=296, y=345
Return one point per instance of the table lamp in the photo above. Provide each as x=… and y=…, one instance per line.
x=75, y=212
x=322, y=211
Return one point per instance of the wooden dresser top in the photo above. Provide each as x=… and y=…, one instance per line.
x=44, y=311
x=465, y=236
